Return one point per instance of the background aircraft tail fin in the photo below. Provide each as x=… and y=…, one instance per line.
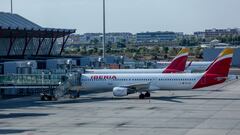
x=178, y=64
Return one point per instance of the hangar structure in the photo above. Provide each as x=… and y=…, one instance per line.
x=21, y=38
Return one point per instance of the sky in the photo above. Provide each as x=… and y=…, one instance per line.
x=133, y=16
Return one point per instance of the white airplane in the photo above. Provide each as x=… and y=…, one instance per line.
x=191, y=66
x=176, y=65
x=124, y=84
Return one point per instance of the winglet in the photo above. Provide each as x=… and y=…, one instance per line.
x=178, y=64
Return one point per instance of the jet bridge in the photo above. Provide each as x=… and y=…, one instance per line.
x=54, y=85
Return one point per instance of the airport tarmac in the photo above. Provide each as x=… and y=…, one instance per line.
x=209, y=111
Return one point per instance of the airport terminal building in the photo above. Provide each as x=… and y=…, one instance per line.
x=21, y=38
x=25, y=48
x=31, y=57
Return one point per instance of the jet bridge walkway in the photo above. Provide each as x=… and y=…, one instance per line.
x=30, y=80
x=55, y=85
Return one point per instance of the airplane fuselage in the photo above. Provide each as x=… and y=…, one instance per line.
x=191, y=66
x=123, y=71
x=194, y=66
x=156, y=81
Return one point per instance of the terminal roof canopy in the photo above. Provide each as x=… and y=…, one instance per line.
x=21, y=38
x=14, y=25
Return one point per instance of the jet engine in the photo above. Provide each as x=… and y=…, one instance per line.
x=120, y=91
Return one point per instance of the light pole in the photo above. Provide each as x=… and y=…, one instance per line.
x=11, y=7
x=104, y=31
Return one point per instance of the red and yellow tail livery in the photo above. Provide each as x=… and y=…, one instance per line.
x=218, y=71
x=178, y=63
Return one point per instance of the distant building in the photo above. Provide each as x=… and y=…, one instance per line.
x=156, y=37
x=96, y=38
x=74, y=39
x=214, y=43
x=199, y=34
x=88, y=38
x=212, y=33
x=119, y=37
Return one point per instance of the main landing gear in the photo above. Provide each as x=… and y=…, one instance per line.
x=47, y=97
x=146, y=95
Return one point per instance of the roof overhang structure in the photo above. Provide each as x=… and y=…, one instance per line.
x=34, y=32
x=14, y=26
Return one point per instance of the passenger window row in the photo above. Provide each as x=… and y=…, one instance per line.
x=161, y=79
x=119, y=79
x=179, y=79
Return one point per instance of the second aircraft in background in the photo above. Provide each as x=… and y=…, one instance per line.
x=176, y=65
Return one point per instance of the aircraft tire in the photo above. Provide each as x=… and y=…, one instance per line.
x=141, y=96
x=147, y=94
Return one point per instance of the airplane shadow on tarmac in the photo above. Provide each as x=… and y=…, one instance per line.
x=99, y=99
x=31, y=102
x=20, y=115
x=12, y=131
x=174, y=99
x=34, y=102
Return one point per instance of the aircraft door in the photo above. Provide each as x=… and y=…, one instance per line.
x=110, y=82
x=154, y=85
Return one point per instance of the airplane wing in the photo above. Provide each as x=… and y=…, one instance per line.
x=137, y=86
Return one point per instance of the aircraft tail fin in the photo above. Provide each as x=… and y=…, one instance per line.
x=222, y=63
x=178, y=64
x=218, y=71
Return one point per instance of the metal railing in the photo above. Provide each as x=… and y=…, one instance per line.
x=72, y=79
x=31, y=79
x=55, y=84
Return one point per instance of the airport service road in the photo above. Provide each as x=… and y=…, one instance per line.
x=211, y=111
